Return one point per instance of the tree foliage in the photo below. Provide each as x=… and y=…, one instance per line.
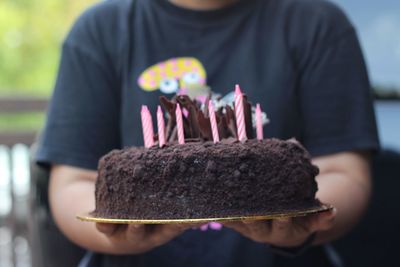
x=31, y=32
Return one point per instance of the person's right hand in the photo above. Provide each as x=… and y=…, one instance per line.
x=137, y=238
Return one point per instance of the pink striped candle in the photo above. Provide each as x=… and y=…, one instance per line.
x=179, y=125
x=150, y=129
x=240, y=122
x=213, y=121
x=259, y=123
x=160, y=127
x=238, y=92
x=147, y=126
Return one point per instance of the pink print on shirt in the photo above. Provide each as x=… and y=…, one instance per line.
x=212, y=226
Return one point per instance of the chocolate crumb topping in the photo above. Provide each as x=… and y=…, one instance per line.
x=202, y=179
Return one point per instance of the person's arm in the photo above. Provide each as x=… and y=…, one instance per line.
x=71, y=192
x=335, y=115
x=344, y=181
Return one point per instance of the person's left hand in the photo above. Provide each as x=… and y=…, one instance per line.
x=285, y=232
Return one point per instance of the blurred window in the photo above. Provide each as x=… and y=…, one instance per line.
x=378, y=25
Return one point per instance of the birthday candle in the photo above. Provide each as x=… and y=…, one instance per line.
x=147, y=126
x=240, y=122
x=259, y=123
x=238, y=92
x=161, y=127
x=179, y=125
x=151, y=129
x=213, y=121
x=143, y=116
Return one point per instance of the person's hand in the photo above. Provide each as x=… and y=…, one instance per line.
x=137, y=238
x=285, y=232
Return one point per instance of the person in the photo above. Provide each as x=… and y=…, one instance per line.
x=299, y=58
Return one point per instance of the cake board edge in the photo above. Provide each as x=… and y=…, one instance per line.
x=299, y=213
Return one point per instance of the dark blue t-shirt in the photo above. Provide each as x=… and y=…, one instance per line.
x=299, y=58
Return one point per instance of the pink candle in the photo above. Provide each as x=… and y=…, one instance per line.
x=147, y=126
x=213, y=121
x=161, y=127
x=238, y=92
x=259, y=123
x=179, y=125
x=240, y=121
x=143, y=116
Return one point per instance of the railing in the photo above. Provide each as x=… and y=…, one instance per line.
x=14, y=205
x=15, y=182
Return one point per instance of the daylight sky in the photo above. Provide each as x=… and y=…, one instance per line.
x=378, y=25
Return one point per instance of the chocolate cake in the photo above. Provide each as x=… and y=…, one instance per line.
x=200, y=179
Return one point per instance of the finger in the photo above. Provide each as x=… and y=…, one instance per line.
x=135, y=232
x=281, y=223
x=248, y=221
x=310, y=222
x=323, y=221
x=187, y=226
x=259, y=230
x=164, y=233
x=238, y=227
x=257, y=227
x=284, y=219
x=172, y=230
x=280, y=228
x=106, y=228
x=290, y=232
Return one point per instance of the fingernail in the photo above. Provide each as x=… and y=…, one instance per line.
x=334, y=211
x=137, y=226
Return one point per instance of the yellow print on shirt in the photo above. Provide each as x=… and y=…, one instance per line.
x=184, y=75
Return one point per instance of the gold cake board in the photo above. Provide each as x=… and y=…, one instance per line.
x=322, y=208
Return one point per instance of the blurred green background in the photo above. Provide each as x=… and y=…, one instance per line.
x=31, y=32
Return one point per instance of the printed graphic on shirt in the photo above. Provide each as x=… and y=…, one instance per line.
x=211, y=226
x=184, y=75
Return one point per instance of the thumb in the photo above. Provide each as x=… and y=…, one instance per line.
x=324, y=221
x=106, y=228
